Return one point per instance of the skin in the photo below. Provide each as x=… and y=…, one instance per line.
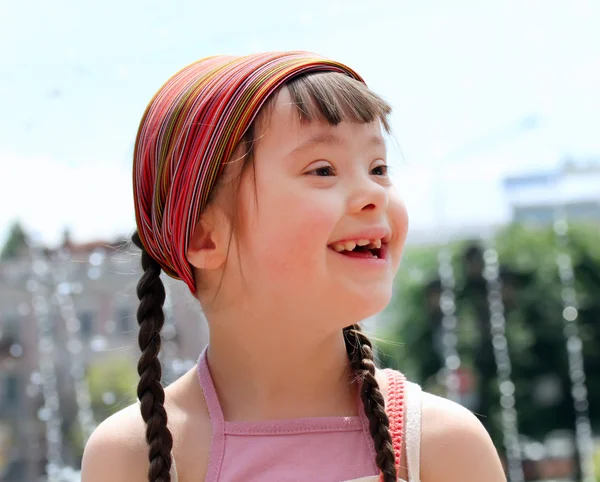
x=311, y=185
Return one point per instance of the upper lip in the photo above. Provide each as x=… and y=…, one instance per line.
x=371, y=233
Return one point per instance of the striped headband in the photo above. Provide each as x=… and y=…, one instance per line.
x=189, y=131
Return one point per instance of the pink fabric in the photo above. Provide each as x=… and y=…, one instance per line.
x=331, y=449
x=395, y=411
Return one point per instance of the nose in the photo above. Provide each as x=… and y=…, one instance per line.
x=368, y=195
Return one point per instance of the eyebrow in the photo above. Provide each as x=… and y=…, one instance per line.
x=333, y=140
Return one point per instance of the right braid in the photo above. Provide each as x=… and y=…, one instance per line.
x=150, y=316
x=360, y=352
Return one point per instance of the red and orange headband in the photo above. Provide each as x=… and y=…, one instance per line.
x=189, y=130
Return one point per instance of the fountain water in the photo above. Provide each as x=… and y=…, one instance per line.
x=574, y=345
x=66, y=306
x=510, y=429
x=449, y=323
x=38, y=286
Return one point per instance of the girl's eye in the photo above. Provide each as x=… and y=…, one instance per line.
x=323, y=171
x=380, y=170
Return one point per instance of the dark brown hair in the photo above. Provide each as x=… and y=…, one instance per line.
x=326, y=97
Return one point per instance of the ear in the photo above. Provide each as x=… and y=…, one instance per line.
x=209, y=243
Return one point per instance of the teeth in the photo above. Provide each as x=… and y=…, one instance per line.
x=350, y=245
x=376, y=243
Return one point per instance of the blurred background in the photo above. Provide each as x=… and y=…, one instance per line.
x=495, y=148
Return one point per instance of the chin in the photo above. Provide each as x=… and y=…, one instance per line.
x=363, y=305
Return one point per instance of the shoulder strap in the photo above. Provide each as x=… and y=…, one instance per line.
x=395, y=410
x=413, y=431
x=217, y=421
x=173, y=471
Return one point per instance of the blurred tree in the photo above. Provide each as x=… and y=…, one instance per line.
x=532, y=298
x=597, y=463
x=15, y=244
x=112, y=383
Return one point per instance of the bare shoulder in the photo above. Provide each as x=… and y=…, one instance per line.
x=455, y=446
x=117, y=450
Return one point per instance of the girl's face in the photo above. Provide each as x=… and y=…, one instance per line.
x=322, y=228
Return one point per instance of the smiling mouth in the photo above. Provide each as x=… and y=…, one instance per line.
x=363, y=248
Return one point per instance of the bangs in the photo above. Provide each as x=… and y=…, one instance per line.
x=333, y=97
x=328, y=97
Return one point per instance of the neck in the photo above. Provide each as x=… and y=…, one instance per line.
x=263, y=372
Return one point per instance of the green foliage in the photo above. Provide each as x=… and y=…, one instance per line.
x=533, y=305
x=15, y=244
x=111, y=380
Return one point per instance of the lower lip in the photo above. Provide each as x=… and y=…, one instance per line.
x=365, y=260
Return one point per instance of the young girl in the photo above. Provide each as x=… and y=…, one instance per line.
x=261, y=182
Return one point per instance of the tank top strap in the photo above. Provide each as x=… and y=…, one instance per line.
x=173, y=471
x=217, y=421
x=395, y=408
x=413, y=431
x=208, y=389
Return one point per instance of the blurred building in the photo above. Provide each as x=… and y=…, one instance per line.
x=574, y=188
x=100, y=277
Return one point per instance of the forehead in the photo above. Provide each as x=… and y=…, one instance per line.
x=281, y=131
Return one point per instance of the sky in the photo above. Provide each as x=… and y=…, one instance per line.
x=75, y=78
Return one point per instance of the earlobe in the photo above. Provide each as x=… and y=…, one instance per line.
x=207, y=248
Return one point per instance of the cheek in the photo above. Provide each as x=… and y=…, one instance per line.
x=398, y=216
x=290, y=232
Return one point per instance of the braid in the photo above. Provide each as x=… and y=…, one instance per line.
x=150, y=316
x=360, y=352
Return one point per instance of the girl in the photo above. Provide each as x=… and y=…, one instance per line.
x=261, y=182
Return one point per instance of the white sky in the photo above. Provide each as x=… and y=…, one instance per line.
x=75, y=79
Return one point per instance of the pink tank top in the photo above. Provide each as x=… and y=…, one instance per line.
x=329, y=449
